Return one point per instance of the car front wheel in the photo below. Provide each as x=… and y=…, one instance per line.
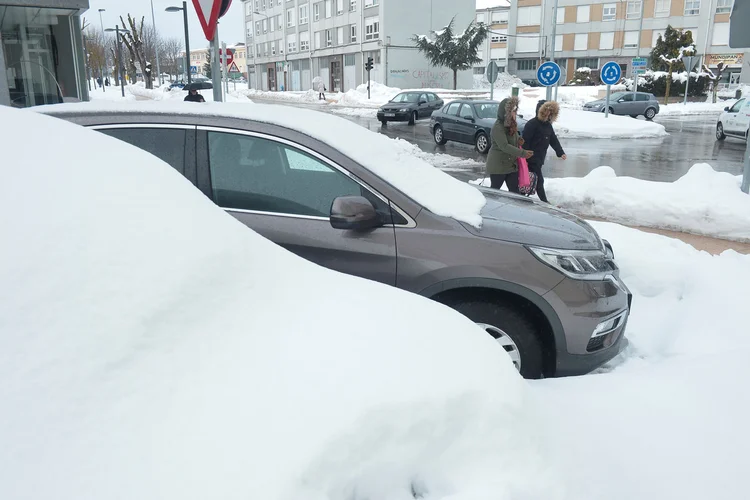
x=650, y=114
x=720, y=136
x=482, y=143
x=413, y=118
x=437, y=134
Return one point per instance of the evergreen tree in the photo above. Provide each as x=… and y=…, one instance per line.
x=456, y=52
x=669, y=46
x=207, y=64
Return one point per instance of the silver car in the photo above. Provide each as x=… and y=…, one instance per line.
x=632, y=104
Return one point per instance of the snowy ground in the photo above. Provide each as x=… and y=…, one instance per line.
x=694, y=108
x=145, y=358
x=702, y=202
x=139, y=92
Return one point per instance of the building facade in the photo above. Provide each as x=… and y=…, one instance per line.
x=589, y=33
x=293, y=42
x=41, y=54
x=495, y=47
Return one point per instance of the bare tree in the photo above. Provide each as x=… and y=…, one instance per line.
x=133, y=40
x=96, y=48
x=715, y=78
x=171, y=55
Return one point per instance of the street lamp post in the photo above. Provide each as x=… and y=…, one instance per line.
x=187, y=35
x=120, y=68
x=156, y=45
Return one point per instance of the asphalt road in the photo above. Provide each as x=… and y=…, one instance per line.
x=691, y=140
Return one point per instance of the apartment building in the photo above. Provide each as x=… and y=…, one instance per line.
x=199, y=58
x=589, y=33
x=495, y=47
x=292, y=42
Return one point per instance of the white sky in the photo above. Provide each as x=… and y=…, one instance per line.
x=231, y=26
x=483, y=4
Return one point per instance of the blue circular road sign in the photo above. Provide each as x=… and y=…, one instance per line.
x=611, y=73
x=548, y=74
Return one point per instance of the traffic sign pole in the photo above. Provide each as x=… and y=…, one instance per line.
x=606, y=109
x=548, y=75
x=492, y=72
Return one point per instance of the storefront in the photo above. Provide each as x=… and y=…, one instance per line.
x=733, y=63
x=41, y=54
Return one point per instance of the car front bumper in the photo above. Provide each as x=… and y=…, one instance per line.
x=595, y=110
x=398, y=116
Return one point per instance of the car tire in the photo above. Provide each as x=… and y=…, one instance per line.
x=482, y=143
x=650, y=114
x=384, y=122
x=437, y=134
x=634, y=116
x=413, y=118
x=720, y=135
x=513, y=330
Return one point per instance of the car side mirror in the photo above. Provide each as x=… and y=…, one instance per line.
x=519, y=116
x=726, y=108
x=422, y=102
x=354, y=213
x=620, y=100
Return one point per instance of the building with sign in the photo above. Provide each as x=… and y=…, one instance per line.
x=495, y=47
x=199, y=58
x=41, y=54
x=298, y=41
x=589, y=33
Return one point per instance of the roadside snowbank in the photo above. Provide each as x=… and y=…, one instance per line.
x=693, y=108
x=574, y=123
x=379, y=95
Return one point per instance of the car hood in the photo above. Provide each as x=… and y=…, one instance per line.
x=522, y=220
x=598, y=102
x=395, y=106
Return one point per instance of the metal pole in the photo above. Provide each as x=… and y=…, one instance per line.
x=638, y=50
x=687, y=85
x=88, y=66
x=554, y=33
x=215, y=67
x=120, y=69
x=187, y=40
x=746, y=170
x=224, y=73
x=606, y=109
x=156, y=39
x=104, y=46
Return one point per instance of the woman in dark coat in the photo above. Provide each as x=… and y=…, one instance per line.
x=538, y=136
x=502, y=159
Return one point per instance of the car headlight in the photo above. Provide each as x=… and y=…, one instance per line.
x=403, y=110
x=577, y=264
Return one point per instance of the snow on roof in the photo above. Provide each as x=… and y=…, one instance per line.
x=392, y=160
x=153, y=347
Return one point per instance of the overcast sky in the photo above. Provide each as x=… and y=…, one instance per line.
x=231, y=26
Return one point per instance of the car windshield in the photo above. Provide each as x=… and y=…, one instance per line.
x=616, y=96
x=407, y=97
x=486, y=110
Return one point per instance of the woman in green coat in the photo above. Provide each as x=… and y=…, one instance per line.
x=502, y=159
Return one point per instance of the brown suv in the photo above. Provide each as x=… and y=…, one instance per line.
x=539, y=280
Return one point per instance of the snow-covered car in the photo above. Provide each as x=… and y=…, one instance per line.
x=467, y=121
x=539, y=280
x=631, y=104
x=734, y=121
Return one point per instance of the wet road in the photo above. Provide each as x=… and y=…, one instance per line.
x=691, y=140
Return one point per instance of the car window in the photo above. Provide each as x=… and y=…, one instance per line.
x=626, y=98
x=431, y=97
x=167, y=144
x=737, y=106
x=616, y=96
x=253, y=173
x=453, y=108
x=406, y=97
x=642, y=97
x=486, y=110
x=423, y=98
x=466, y=111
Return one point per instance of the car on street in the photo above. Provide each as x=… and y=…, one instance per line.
x=734, y=121
x=537, y=279
x=467, y=121
x=177, y=85
x=409, y=107
x=631, y=104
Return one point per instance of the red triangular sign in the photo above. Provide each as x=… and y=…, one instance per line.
x=208, y=14
x=233, y=68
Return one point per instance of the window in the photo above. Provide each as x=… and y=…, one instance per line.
x=257, y=50
x=371, y=3
x=583, y=13
x=466, y=112
x=372, y=28
x=165, y=143
x=349, y=60
x=263, y=4
x=641, y=97
x=692, y=7
x=631, y=40
x=353, y=33
x=527, y=44
x=278, y=22
x=500, y=17
x=248, y=9
x=587, y=62
x=290, y=18
x=252, y=173
x=498, y=53
x=273, y=48
x=581, y=41
x=303, y=14
x=609, y=12
x=328, y=8
x=561, y=15
x=529, y=16
x=339, y=7
x=316, y=12
x=432, y=97
x=329, y=38
x=634, y=9
x=340, y=36
x=499, y=37
x=479, y=70
x=304, y=41
x=249, y=29
x=257, y=4
x=481, y=18
x=353, y=6
x=257, y=28
x=265, y=25
x=317, y=40
x=291, y=42
x=720, y=34
x=723, y=6
x=607, y=41
x=527, y=64
x=558, y=42
x=655, y=36
x=662, y=8
x=453, y=108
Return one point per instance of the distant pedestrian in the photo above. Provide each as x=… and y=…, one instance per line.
x=106, y=81
x=194, y=96
x=538, y=136
x=321, y=91
x=502, y=159
x=99, y=81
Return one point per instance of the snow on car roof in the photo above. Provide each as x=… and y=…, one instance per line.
x=392, y=160
x=154, y=347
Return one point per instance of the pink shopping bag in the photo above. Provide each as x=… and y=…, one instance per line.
x=523, y=173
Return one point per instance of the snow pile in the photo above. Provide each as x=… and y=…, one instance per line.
x=505, y=81
x=574, y=123
x=379, y=95
x=145, y=357
x=141, y=93
x=703, y=201
x=392, y=160
x=692, y=108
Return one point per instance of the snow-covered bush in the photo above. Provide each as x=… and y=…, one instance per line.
x=585, y=76
x=655, y=82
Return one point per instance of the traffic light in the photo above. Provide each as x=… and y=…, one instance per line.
x=368, y=65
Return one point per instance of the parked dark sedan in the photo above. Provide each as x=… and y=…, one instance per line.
x=467, y=121
x=409, y=106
